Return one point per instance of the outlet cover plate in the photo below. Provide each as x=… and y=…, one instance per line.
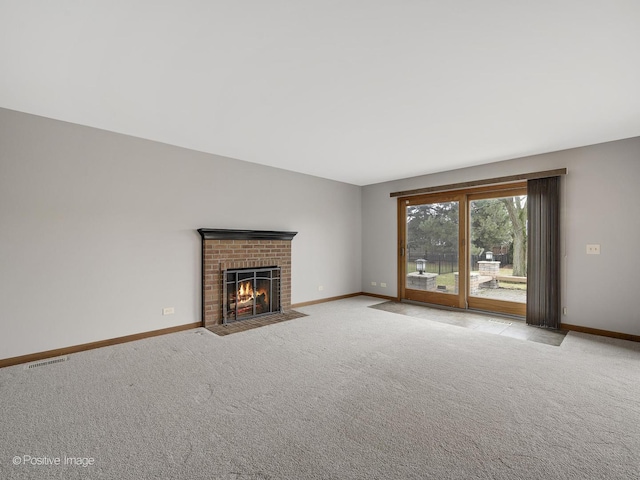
x=593, y=249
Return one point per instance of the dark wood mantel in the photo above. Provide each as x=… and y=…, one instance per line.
x=222, y=234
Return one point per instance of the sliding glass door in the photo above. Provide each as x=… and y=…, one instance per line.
x=497, y=278
x=433, y=250
x=466, y=249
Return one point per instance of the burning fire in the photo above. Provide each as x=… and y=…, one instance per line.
x=246, y=293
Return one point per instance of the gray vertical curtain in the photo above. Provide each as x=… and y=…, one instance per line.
x=543, y=252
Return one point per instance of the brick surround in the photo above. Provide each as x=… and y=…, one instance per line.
x=227, y=249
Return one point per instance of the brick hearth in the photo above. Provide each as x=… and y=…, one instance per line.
x=227, y=249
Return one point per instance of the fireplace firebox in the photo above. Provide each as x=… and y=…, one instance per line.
x=250, y=292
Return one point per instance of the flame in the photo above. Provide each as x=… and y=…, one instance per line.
x=246, y=292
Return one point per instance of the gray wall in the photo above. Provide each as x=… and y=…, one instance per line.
x=601, y=195
x=98, y=231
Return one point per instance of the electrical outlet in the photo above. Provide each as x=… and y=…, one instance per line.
x=383, y=285
x=593, y=249
x=373, y=284
x=168, y=311
x=564, y=310
x=320, y=288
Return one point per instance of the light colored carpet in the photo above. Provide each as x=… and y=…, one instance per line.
x=347, y=392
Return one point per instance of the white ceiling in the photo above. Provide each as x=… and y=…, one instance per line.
x=360, y=91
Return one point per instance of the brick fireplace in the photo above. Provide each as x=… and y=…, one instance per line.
x=228, y=250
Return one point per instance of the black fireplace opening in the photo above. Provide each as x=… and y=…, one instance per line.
x=250, y=292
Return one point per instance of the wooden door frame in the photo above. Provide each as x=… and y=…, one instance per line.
x=489, y=304
x=445, y=299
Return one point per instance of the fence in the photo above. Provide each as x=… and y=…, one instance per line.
x=439, y=263
x=442, y=263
